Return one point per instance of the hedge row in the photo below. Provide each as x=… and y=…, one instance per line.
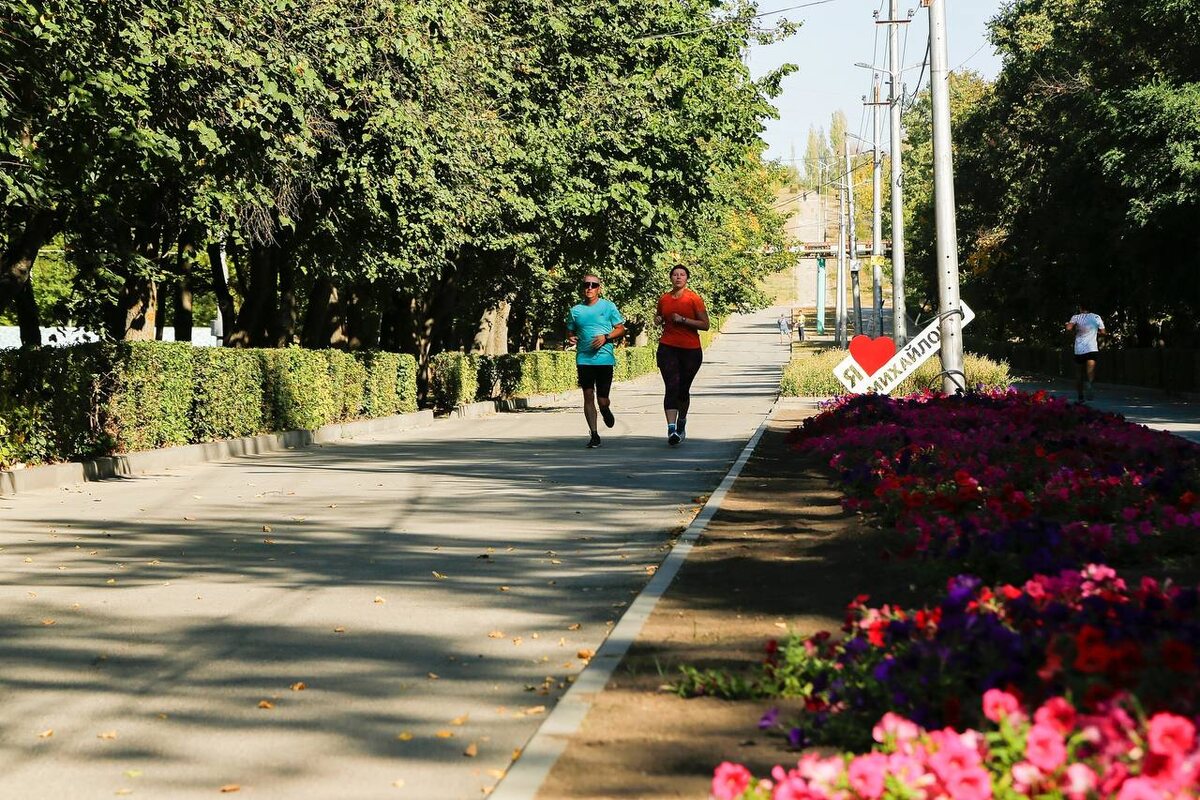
x=90, y=400
x=810, y=374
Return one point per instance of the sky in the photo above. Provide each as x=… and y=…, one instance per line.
x=839, y=33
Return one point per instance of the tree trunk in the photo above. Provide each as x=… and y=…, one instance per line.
x=492, y=338
x=283, y=330
x=362, y=318
x=183, y=295
x=28, y=316
x=137, y=310
x=323, y=303
x=256, y=317
x=160, y=321
x=216, y=261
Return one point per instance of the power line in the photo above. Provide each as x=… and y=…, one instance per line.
x=716, y=25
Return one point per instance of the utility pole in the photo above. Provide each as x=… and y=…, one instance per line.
x=876, y=213
x=839, y=303
x=854, y=264
x=899, y=311
x=950, y=307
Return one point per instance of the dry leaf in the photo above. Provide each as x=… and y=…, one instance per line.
x=123, y=792
x=107, y=735
x=190, y=519
x=267, y=704
x=339, y=629
x=504, y=588
x=230, y=788
x=574, y=627
x=517, y=640
x=460, y=720
x=471, y=751
x=516, y=753
x=47, y=622
x=266, y=528
x=111, y=581
x=299, y=686
x=781, y=625
x=379, y=600
x=444, y=734
x=405, y=736
x=28, y=560
x=585, y=654
x=533, y=711
x=268, y=540
x=496, y=773
x=46, y=734
x=496, y=635
x=555, y=561
x=439, y=575
x=398, y=783
x=650, y=570
x=433, y=676
x=133, y=773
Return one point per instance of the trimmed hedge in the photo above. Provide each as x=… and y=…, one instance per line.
x=95, y=399
x=453, y=379
x=811, y=375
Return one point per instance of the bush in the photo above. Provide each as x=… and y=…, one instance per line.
x=406, y=384
x=634, y=362
x=381, y=396
x=151, y=397
x=299, y=389
x=453, y=379
x=229, y=396
x=499, y=376
x=811, y=375
x=51, y=400
x=546, y=372
x=348, y=380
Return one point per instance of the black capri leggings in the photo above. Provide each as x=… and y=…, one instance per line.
x=678, y=366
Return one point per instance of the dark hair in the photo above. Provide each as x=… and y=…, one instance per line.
x=686, y=271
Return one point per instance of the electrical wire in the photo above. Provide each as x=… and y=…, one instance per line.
x=716, y=25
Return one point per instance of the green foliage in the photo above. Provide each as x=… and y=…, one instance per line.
x=381, y=395
x=810, y=374
x=546, y=372
x=499, y=376
x=347, y=378
x=229, y=398
x=151, y=395
x=406, y=385
x=453, y=379
x=300, y=390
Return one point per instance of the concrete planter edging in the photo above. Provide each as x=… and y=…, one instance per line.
x=125, y=465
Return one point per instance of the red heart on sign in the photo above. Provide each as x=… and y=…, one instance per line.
x=871, y=354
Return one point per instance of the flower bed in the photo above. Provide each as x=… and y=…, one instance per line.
x=1007, y=484
x=1056, y=752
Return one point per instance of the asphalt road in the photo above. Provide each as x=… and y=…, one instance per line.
x=389, y=617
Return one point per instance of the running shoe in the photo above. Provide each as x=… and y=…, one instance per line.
x=594, y=441
x=673, y=438
x=609, y=419
x=681, y=428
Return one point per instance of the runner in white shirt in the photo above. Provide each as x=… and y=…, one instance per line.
x=1088, y=328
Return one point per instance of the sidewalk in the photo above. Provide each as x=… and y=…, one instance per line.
x=385, y=617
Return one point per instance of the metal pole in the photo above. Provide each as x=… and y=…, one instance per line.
x=876, y=215
x=899, y=318
x=839, y=303
x=943, y=197
x=820, y=202
x=821, y=295
x=856, y=289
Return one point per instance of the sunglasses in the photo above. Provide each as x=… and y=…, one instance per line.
x=591, y=285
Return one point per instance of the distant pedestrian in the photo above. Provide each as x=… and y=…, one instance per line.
x=682, y=315
x=594, y=324
x=1088, y=328
x=785, y=329
x=800, y=326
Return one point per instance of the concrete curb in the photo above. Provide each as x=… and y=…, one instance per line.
x=526, y=776
x=57, y=476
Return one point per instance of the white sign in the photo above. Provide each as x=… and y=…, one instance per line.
x=874, y=365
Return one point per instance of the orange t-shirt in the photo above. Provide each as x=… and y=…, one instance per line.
x=688, y=305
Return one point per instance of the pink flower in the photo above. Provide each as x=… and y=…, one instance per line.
x=793, y=787
x=1079, y=782
x=729, y=780
x=1045, y=748
x=896, y=727
x=866, y=775
x=1058, y=714
x=1139, y=789
x=999, y=704
x=1025, y=776
x=970, y=784
x=1171, y=735
x=952, y=759
x=820, y=771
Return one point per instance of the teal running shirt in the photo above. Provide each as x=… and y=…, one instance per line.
x=588, y=322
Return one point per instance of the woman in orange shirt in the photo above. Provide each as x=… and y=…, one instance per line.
x=682, y=315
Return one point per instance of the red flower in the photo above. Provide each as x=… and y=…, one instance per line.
x=1178, y=656
x=1171, y=735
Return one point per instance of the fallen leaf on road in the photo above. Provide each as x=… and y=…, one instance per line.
x=461, y=720
x=398, y=783
x=47, y=622
x=404, y=736
x=28, y=560
x=107, y=735
x=266, y=704
x=111, y=581
x=123, y=792
x=516, y=753
x=133, y=773
x=585, y=654
x=555, y=561
x=517, y=640
x=433, y=676
x=190, y=519
x=504, y=588
x=339, y=629
x=230, y=788
x=533, y=711
x=266, y=528
x=379, y=600
x=496, y=773
x=650, y=570
x=439, y=575
x=496, y=635
x=46, y=734
x=444, y=734
x=268, y=540
x=781, y=625
x=574, y=627
x=299, y=686
x=471, y=751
